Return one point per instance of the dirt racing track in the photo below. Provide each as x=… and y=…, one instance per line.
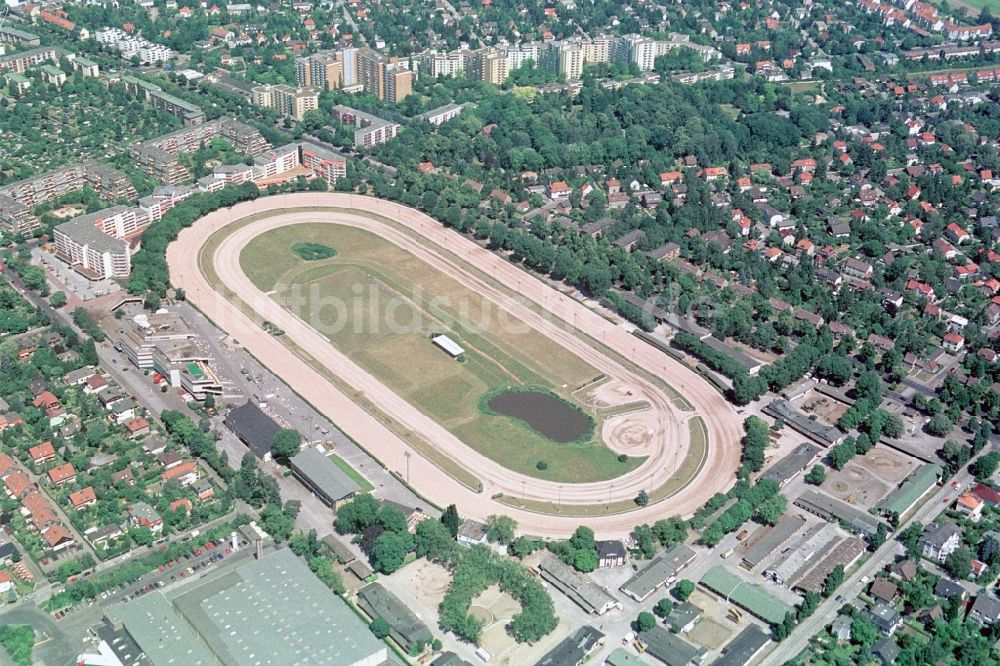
x=661, y=432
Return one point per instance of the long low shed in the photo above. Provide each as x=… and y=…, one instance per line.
x=657, y=572
x=750, y=596
x=835, y=510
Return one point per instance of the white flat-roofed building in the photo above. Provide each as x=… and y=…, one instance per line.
x=91, y=252
x=449, y=346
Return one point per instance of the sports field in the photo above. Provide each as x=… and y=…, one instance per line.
x=379, y=305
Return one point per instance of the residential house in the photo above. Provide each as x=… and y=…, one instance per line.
x=62, y=474
x=939, y=540
x=42, y=453
x=81, y=499
x=611, y=553
x=142, y=514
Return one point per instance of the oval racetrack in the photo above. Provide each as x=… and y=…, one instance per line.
x=467, y=262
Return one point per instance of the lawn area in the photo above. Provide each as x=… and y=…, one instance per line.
x=18, y=640
x=380, y=305
x=355, y=475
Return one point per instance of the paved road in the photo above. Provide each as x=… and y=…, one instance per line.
x=853, y=584
x=722, y=421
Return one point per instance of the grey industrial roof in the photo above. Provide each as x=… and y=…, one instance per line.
x=784, y=410
x=255, y=428
x=742, y=649
x=380, y=603
x=586, y=593
x=574, y=648
x=267, y=609
x=324, y=474
x=768, y=540
x=656, y=573
x=790, y=564
x=152, y=622
x=669, y=648
x=792, y=464
x=828, y=507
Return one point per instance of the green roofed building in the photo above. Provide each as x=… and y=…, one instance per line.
x=621, y=657
x=750, y=596
x=405, y=627
x=916, y=485
x=268, y=611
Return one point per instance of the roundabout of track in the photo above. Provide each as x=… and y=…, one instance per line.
x=237, y=306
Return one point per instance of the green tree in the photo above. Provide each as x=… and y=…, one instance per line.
x=985, y=466
x=880, y=535
x=863, y=631
x=642, y=499
x=833, y=581
x=286, y=443
x=380, y=628
x=771, y=511
x=816, y=475
x=663, y=607
x=585, y=560
x=940, y=425
x=356, y=515
x=959, y=563
x=58, y=299
x=389, y=551
x=645, y=621
x=894, y=427
x=841, y=454
x=500, y=529
x=809, y=604
x=451, y=519
x=433, y=540
x=683, y=589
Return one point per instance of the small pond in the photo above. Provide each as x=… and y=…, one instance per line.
x=546, y=414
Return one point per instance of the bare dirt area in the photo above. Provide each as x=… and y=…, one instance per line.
x=824, y=407
x=498, y=279
x=716, y=624
x=428, y=582
x=632, y=434
x=710, y=634
x=867, y=479
x=495, y=609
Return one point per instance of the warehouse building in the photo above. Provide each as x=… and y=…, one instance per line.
x=744, y=648
x=797, y=461
x=834, y=510
x=254, y=428
x=323, y=478
x=258, y=612
x=826, y=435
x=404, y=626
x=587, y=594
x=794, y=562
x=843, y=554
x=768, y=541
x=750, y=596
x=660, y=569
x=911, y=491
x=575, y=648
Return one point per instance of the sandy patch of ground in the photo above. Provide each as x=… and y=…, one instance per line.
x=610, y=393
x=868, y=478
x=633, y=434
x=710, y=634
x=888, y=464
x=824, y=407
x=428, y=582
x=67, y=212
